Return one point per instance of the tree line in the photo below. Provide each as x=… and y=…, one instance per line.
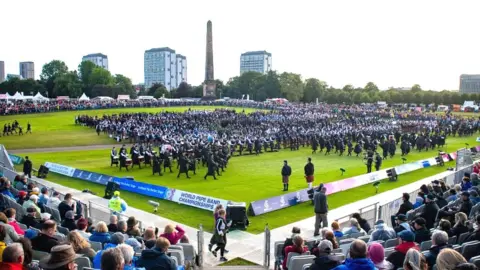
x=57, y=80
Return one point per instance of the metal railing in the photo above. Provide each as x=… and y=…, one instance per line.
x=266, y=253
x=200, y=245
x=369, y=213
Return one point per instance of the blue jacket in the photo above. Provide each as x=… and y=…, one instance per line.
x=8, y=193
x=466, y=185
x=338, y=234
x=100, y=237
x=155, y=259
x=356, y=264
x=97, y=260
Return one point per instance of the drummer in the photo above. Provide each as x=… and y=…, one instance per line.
x=135, y=157
x=113, y=157
x=123, y=159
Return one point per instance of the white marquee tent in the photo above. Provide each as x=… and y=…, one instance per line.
x=17, y=96
x=84, y=97
x=39, y=97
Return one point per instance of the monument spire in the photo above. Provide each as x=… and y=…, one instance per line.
x=210, y=84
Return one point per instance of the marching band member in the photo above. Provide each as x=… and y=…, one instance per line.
x=123, y=159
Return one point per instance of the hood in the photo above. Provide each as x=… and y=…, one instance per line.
x=101, y=234
x=359, y=264
x=405, y=246
x=151, y=253
x=109, y=245
x=384, y=265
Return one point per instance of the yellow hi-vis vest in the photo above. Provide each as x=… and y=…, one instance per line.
x=115, y=204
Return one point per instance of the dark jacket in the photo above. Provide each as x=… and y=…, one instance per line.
x=458, y=229
x=466, y=207
x=29, y=221
x=69, y=224
x=473, y=236
x=27, y=166
x=288, y=242
x=286, y=170
x=430, y=214
x=432, y=254
x=405, y=207
x=356, y=264
x=154, y=259
x=44, y=242
x=422, y=235
x=324, y=263
x=364, y=224
x=309, y=169
x=320, y=202
x=63, y=208
x=398, y=256
x=112, y=227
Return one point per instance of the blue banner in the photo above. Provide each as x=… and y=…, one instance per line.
x=97, y=178
x=16, y=159
x=279, y=202
x=142, y=188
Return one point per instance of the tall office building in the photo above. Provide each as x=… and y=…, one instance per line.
x=163, y=65
x=27, y=70
x=98, y=59
x=258, y=61
x=2, y=71
x=469, y=83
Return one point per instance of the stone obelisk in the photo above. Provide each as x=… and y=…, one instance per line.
x=209, y=84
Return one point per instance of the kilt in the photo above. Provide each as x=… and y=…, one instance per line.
x=285, y=179
x=309, y=178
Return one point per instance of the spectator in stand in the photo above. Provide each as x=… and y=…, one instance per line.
x=404, y=207
x=22, y=197
x=122, y=228
x=128, y=253
x=445, y=226
x=414, y=260
x=12, y=258
x=324, y=261
x=10, y=213
x=32, y=203
x=289, y=241
x=336, y=229
x=439, y=242
x=82, y=225
x=62, y=257
x=6, y=189
x=475, y=235
x=465, y=207
x=21, y=184
x=3, y=245
x=10, y=234
x=135, y=244
x=382, y=232
x=476, y=168
x=174, y=235
x=90, y=227
x=331, y=237
x=43, y=198
x=419, y=200
x=449, y=259
x=149, y=237
x=406, y=240
x=112, y=227
x=460, y=225
x=474, y=179
x=156, y=258
x=28, y=262
x=116, y=239
x=402, y=224
x=29, y=219
x=101, y=233
x=298, y=247
x=424, y=189
x=33, y=190
x=474, y=197
x=421, y=232
x=132, y=227
x=27, y=167
x=54, y=201
x=66, y=205
x=45, y=240
x=112, y=259
x=430, y=211
x=441, y=202
x=362, y=222
x=376, y=253
x=466, y=183
x=354, y=227
x=321, y=210
x=452, y=195
x=358, y=258
x=80, y=245
x=69, y=221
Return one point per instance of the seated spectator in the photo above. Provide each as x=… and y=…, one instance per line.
x=444, y=187
x=28, y=262
x=10, y=234
x=362, y=222
x=21, y=184
x=101, y=233
x=112, y=227
x=135, y=244
x=66, y=205
x=3, y=245
x=404, y=207
x=445, y=226
x=149, y=238
x=421, y=232
x=69, y=221
x=112, y=259
x=289, y=241
x=452, y=195
x=54, y=201
x=32, y=203
x=449, y=259
x=43, y=198
x=475, y=235
x=132, y=227
x=10, y=213
x=474, y=179
x=323, y=260
x=331, y=237
x=441, y=202
x=21, y=197
x=474, y=197
x=157, y=258
x=460, y=225
x=61, y=257
x=439, y=242
x=419, y=200
x=33, y=190
x=116, y=239
x=82, y=225
x=6, y=189
x=122, y=228
x=466, y=184
x=128, y=253
x=90, y=226
x=414, y=260
x=466, y=266
x=358, y=258
x=336, y=229
x=402, y=224
x=406, y=241
x=45, y=240
x=174, y=235
x=424, y=189
x=44, y=217
x=354, y=227
x=376, y=253
x=80, y=245
x=430, y=211
x=382, y=232
x=29, y=219
x=298, y=247
x=12, y=258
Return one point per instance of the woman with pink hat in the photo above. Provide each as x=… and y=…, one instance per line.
x=376, y=253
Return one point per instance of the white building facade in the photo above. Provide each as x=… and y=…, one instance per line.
x=165, y=66
x=27, y=70
x=257, y=61
x=98, y=59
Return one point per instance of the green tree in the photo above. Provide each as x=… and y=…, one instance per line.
x=158, y=90
x=85, y=70
x=291, y=86
x=348, y=88
x=50, y=71
x=371, y=87
x=416, y=88
x=272, y=85
x=125, y=84
x=184, y=90
x=101, y=76
x=313, y=90
x=68, y=84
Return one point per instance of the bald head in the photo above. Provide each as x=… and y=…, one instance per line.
x=358, y=249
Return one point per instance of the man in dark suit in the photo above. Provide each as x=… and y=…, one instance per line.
x=27, y=167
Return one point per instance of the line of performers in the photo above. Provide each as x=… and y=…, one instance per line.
x=212, y=156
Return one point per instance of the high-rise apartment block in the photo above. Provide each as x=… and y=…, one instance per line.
x=258, y=61
x=98, y=59
x=27, y=70
x=165, y=66
x=2, y=71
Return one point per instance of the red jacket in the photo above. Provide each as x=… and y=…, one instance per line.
x=291, y=249
x=174, y=237
x=16, y=227
x=11, y=266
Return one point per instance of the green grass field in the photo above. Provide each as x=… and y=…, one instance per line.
x=58, y=129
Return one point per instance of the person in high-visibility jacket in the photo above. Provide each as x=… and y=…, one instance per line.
x=116, y=204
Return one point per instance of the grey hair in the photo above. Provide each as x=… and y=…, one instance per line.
x=127, y=252
x=439, y=238
x=12, y=252
x=113, y=218
x=414, y=260
x=122, y=225
x=354, y=223
x=112, y=259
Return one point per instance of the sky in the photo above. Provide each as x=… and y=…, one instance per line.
x=391, y=43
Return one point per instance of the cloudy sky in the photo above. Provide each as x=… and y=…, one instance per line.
x=392, y=43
